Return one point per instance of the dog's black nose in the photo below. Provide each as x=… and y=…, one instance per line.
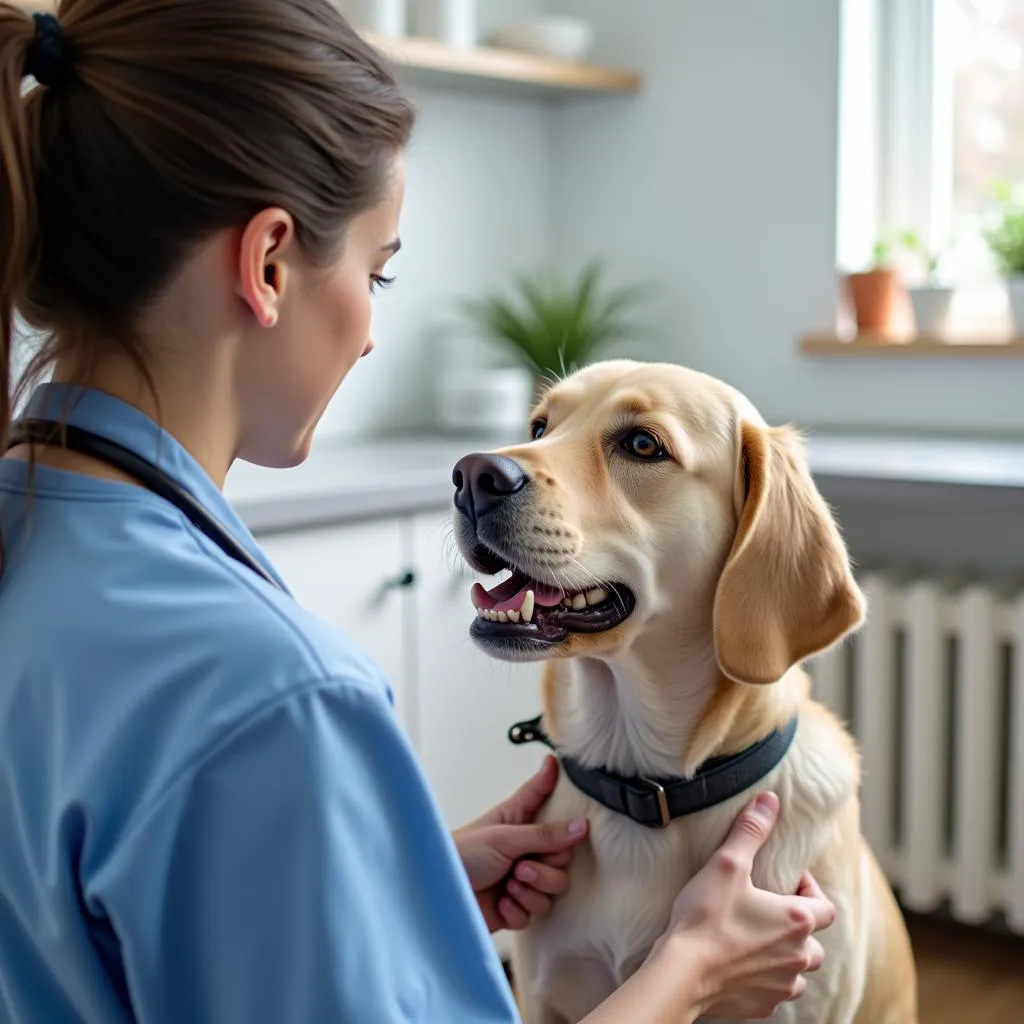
x=482, y=482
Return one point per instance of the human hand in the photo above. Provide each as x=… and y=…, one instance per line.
x=514, y=864
x=752, y=947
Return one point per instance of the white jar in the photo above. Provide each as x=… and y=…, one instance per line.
x=452, y=21
x=484, y=400
x=384, y=17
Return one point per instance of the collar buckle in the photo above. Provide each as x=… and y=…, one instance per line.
x=662, y=799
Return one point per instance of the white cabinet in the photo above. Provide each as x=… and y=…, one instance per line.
x=356, y=577
x=466, y=701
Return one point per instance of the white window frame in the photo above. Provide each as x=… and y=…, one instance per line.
x=895, y=159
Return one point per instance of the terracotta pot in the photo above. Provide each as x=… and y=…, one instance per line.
x=877, y=296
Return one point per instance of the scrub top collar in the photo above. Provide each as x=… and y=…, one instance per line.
x=89, y=409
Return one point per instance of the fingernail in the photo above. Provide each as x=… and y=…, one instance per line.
x=764, y=808
x=526, y=873
x=515, y=888
x=578, y=827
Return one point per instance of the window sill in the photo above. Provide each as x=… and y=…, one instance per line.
x=870, y=346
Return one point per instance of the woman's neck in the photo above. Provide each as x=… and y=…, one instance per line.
x=192, y=410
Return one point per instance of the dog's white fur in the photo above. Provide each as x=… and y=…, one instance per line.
x=739, y=573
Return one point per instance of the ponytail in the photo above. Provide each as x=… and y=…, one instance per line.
x=17, y=197
x=17, y=192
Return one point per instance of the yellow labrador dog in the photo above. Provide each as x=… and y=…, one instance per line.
x=673, y=561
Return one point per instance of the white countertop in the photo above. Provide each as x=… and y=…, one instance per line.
x=359, y=479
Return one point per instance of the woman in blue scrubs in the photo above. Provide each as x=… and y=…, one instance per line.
x=207, y=810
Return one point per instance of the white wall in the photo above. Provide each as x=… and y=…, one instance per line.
x=478, y=205
x=719, y=182
x=477, y=209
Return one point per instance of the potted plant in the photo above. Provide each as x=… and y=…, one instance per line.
x=1006, y=243
x=555, y=328
x=875, y=292
x=931, y=299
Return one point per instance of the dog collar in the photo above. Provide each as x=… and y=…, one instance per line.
x=657, y=802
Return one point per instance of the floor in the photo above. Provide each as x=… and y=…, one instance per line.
x=967, y=976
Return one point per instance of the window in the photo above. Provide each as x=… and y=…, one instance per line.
x=931, y=117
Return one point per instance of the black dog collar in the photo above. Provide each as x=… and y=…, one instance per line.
x=657, y=802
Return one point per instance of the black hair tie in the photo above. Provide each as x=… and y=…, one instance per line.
x=47, y=52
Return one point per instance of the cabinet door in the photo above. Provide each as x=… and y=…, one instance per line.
x=466, y=701
x=355, y=577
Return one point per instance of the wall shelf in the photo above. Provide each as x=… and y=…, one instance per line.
x=430, y=62
x=867, y=346
x=433, y=62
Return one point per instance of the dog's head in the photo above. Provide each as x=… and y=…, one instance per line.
x=653, y=497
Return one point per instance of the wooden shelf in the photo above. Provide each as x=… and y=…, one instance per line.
x=867, y=346
x=431, y=62
x=434, y=62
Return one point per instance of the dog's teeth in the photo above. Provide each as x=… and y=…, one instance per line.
x=597, y=596
x=513, y=616
x=502, y=617
x=527, y=608
x=579, y=602
x=480, y=614
x=567, y=601
x=489, y=615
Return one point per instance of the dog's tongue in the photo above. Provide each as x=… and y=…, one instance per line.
x=505, y=592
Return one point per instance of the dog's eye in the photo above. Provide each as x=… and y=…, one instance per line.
x=643, y=445
x=537, y=428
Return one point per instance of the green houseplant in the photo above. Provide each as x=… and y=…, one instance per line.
x=1006, y=243
x=552, y=327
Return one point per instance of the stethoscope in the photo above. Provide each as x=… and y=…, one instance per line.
x=102, y=449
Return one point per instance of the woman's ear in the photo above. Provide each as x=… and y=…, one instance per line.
x=262, y=267
x=787, y=590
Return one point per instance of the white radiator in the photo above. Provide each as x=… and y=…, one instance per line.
x=933, y=689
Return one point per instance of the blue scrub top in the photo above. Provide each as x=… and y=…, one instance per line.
x=208, y=810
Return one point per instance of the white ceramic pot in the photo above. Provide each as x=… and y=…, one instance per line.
x=482, y=400
x=452, y=21
x=385, y=17
x=931, y=309
x=1015, y=292
x=548, y=36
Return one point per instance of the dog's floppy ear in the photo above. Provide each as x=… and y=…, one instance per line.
x=787, y=590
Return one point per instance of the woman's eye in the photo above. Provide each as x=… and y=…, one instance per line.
x=643, y=445
x=379, y=281
x=537, y=429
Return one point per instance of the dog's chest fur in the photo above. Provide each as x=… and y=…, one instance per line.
x=626, y=879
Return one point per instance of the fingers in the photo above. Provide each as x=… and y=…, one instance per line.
x=815, y=955
x=535, y=903
x=809, y=887
x=515, y=841
x=524, y=804
x=811, y=901
x=542, y=876
x=513, y=915
x=559, y=859
x=750, y=831
x=797, y=989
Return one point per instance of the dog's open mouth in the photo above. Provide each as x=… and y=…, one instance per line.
x=523, y=608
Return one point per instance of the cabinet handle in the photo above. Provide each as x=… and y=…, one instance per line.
x=405, y=579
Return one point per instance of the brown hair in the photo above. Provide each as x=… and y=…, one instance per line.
x=170, y=120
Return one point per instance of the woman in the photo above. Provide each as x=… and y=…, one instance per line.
x=208, y=810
